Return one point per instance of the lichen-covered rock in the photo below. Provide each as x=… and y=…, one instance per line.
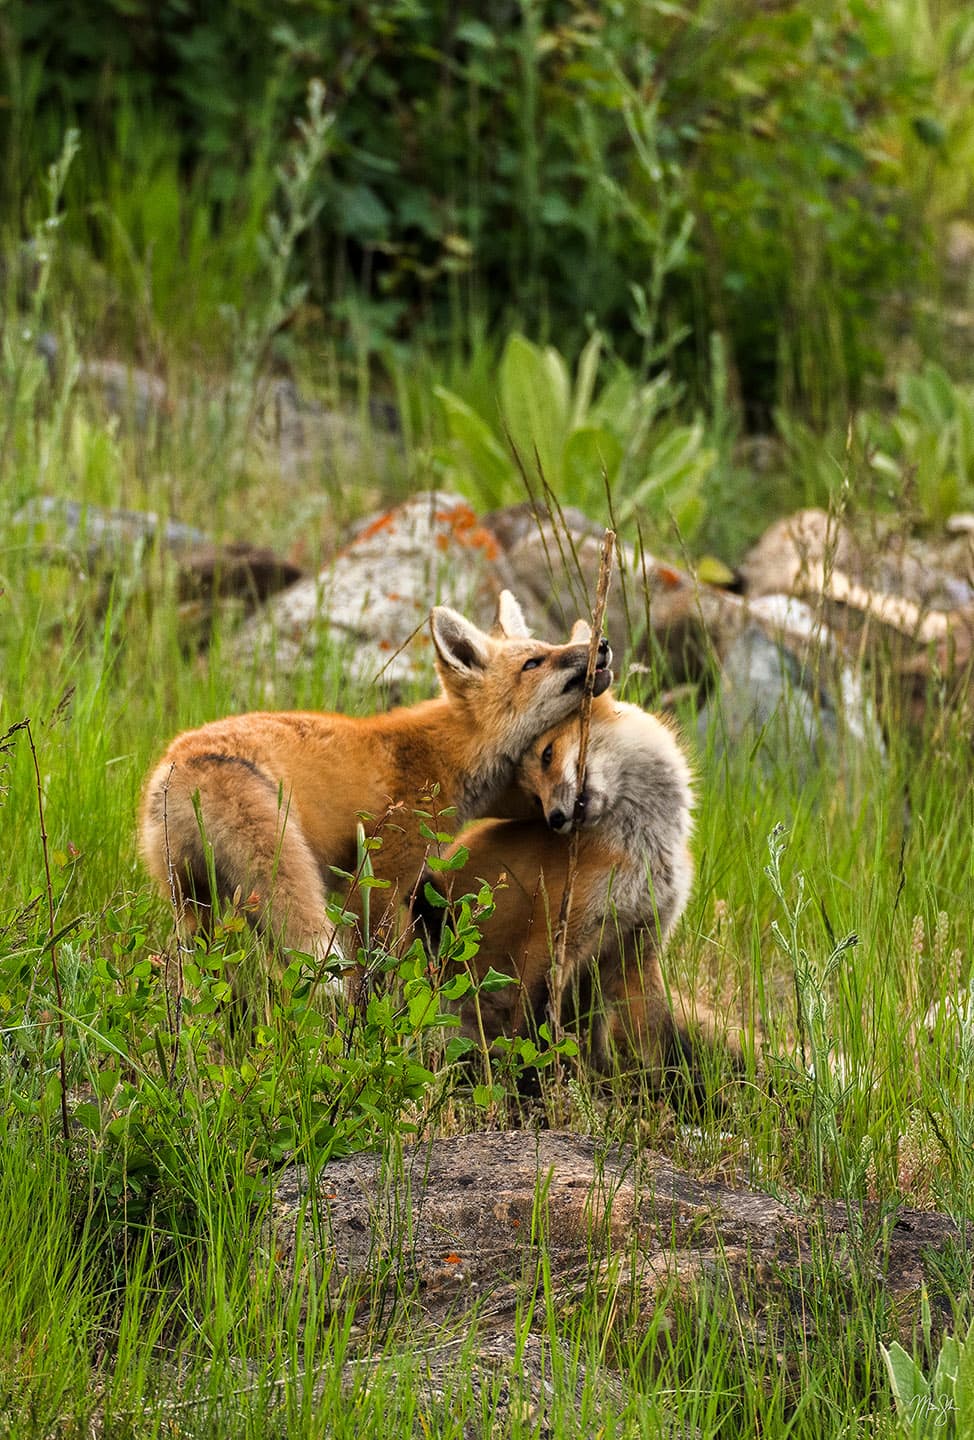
x=375, y=596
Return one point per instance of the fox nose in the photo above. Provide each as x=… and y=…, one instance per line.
x=603, y=652
x=559, y=821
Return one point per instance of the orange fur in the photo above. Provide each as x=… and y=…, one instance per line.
x=632, y=883
x=280, y=795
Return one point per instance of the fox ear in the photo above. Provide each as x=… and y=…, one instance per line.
x=510, y=620
x=460, y=646
x=581, y=632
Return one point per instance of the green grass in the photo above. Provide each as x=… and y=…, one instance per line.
x=139, y=1300
x=138, y=1296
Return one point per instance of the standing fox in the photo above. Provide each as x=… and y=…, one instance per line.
x=279, y=797
x=632, y=884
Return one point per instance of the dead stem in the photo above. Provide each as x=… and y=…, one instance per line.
x=174, y=1011
x=558, y=977
x=52, y=938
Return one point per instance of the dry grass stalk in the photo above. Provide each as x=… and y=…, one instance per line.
x=558, y=977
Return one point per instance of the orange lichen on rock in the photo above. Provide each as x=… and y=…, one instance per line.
x=468, y=531
x=382, y=522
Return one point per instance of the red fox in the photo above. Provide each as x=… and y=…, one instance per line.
x=632, y=884
x=279, y=797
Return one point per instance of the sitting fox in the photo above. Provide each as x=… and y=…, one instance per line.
x=632, y=884
x=279, y=797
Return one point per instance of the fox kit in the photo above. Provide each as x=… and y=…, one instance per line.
x=632, y=883
x=279, y=797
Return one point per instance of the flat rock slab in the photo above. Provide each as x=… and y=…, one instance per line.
x=470, y=1218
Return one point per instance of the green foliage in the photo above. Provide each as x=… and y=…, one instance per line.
x=173, y=1096
x=658, y=170
x=942, y=1405
x=582, y=444
x=926, y=447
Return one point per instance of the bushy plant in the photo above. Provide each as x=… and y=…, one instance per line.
x=619, y=441
x=180, y=1062
x=545, y=158
x=926, y=446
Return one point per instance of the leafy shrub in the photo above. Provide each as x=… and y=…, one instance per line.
x=579, y=442
x=174, y=1079
x=927, y=445
x=741, y=166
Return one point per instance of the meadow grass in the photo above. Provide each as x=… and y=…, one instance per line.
x=139, y=1302
x=142, y=1301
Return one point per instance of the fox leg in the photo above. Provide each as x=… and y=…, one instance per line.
x=256, y=847
x=669, y=1036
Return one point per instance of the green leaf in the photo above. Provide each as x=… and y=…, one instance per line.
x=948, y=1363
x=712, y=571
x=906, y=1379
x=441, y=864
x=88, y=1115
x=587, y=370
x=475, y=32
x=592, y=455
x=456, y=988
x=964, y=1387
x=476, y=448
x=485, y=1095
x=535, y=393
x=456, y=1048
x=433, y=897
x=494, y=980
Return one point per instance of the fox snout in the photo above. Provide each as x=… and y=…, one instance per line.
x=566, y=810
x=579, y=665
x=561, y=820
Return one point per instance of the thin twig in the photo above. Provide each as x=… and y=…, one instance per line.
x=174, y=1013
x=51, y=933
x=558, y=975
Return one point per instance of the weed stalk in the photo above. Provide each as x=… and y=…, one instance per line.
x=558, y=974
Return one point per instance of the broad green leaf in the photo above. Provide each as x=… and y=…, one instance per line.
x=477, y=449
x=948, y=1363
x=713, y=571
x=433, y=897
x=534, y=396
x=456, y=987
x=907, y=1380
x=964, y=1387
x=590, y=454
x=588, y=368
x=494, y=980
x=678, y=467
x=484, y=1095
x=456, y=1048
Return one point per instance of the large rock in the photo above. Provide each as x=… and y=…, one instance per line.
x=375, y=596
x=652, y=605
x=785, y=679
x=98, y=537
x=458, y=1232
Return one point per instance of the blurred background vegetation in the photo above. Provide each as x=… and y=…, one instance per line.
x=748, y=208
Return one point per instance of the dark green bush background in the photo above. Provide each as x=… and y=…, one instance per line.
x=484, y=166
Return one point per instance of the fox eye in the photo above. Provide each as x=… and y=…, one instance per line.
x=533, y=663
x=547, y=755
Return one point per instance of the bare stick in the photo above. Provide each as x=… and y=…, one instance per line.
x=174, y=1011
x=52, y=940
x=558, y=977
